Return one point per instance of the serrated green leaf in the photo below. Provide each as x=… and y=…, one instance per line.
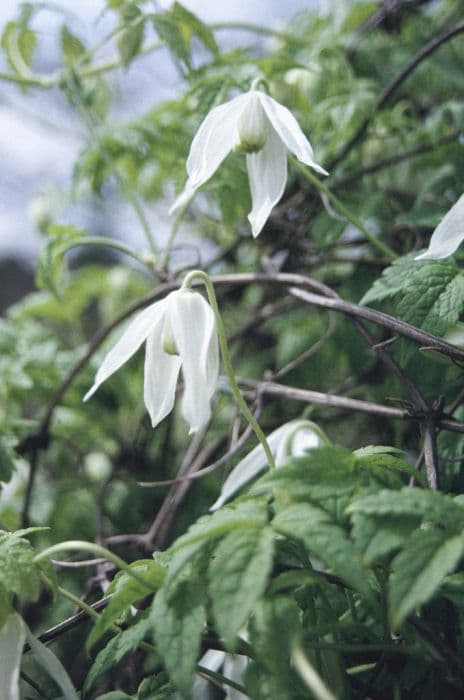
x=322, y=473
x=380, y=535
x=386, y=468
x=327, y=542
x=116, y=649
x=238, y=575
x=419, y=569
x=18, y=572
x=243, y=515
x=178, y=625
x=427, y=505
x=156, y=688
x=125, y=590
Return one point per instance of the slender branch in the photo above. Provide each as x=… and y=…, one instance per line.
x=343, y=402
x=393, y=85
x=381, y=319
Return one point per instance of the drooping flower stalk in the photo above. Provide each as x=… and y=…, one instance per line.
x=199, y=274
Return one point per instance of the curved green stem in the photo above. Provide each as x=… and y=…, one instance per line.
x=81, y=546
x=352, y=218
x=228, y=362
x=108, y=243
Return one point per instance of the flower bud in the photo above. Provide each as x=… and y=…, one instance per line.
x=251, y=127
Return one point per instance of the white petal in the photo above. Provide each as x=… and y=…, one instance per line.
x=302, y=435
x=12, y=637
x=160, y=377
x=448, y=235
x=194, y=330
x=250, y=466
x=128, y=344
x=267, y=172
x=290, y=132
x=214, y=139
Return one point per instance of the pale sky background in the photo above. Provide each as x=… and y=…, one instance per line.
x=40, y=136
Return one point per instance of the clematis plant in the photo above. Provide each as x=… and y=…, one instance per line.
x=292, y=439
x=448, y=235
x=263, y=129
x=180, y=332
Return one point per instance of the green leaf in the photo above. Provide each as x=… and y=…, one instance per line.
x=178, y=625
x=156, y=688
x=428, y=294
x=53, y=666
x=192, y=26
x=243, y=515
x=125, y=590
x=18, y=572
x=386, y=467
x=275, y=629
x=178, y=27
x=321, y=474
x=72, y=48
x=130, y=40
x=426, y=505
x=377, y=536
x=238, y=575
x=419, y=569
x=116, y=649
x=327, y=542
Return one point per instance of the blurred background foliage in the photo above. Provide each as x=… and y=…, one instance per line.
x=399, y=178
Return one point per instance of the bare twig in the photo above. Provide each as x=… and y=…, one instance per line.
x=435, y=43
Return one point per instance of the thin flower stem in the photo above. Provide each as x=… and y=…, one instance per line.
x=352, y=218
x=108, y=243
x=309, y=675
x=81, y=546
x=227, y=361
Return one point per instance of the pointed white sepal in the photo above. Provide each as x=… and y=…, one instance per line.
x=180, y=332
x=292, y=439
x=448, y=235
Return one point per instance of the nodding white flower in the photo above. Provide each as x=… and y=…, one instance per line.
x=292, y=439
x=180, y=331
x=255, y=124
x=448, y=235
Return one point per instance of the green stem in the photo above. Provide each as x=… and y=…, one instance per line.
x=228, y=362
x=108, y=243
x=222, y=679
x=81, y=546
x=352, y=218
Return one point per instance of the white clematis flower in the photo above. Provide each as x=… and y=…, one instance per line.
x=448, y=235
x=265, y=130
x=180, y=331
x=292, y=439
